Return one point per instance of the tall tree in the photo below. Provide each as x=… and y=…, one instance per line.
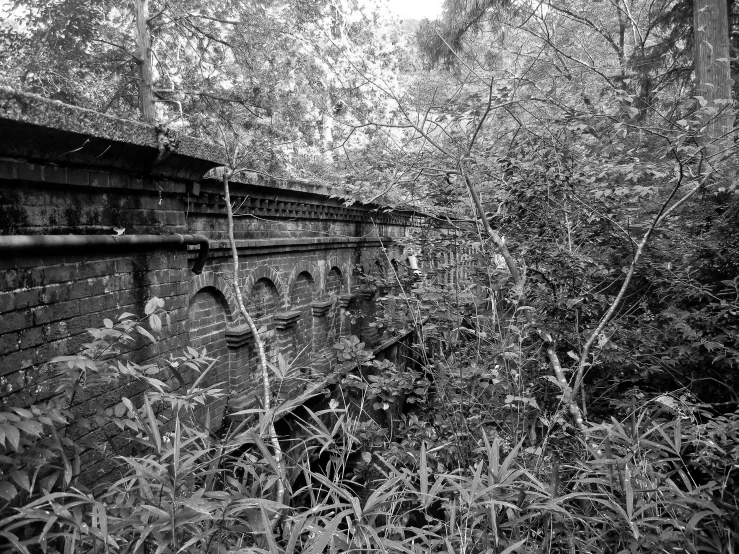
x=145, y=59
x=713, y=75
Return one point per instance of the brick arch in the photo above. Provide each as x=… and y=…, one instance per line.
x=335, y=281
x=216, y=281
x=304, y=266
x=209, y=315
x=263, y=298
x=270, y=274
x=303, y=291
x=344, y=269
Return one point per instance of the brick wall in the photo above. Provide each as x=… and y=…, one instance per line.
x=301, y=298
x=208, y=319
x=298, y=247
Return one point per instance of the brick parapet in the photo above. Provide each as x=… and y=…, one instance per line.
x=67, y=177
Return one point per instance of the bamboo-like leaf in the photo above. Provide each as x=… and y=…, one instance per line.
x=153, y=430
x=12, y=539
x=379, y=495
x=509, y=460
x=268, y=534
x=514, y=547
x=629, y=490
x=424, y=476
x=295, y=532
x=178, y=376
x=142, y=537
x=103, y=518
x=68, y=474
x=177, y=443
x=326, y=533
x=693, y=523
x=202, y=375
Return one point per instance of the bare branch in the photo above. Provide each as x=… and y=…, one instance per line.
x=663, y=213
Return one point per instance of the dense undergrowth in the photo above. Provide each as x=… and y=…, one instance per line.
x=472, y=448
x=478, y=460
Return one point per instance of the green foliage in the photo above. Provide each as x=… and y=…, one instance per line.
x=577, y=126
x=282, y=74
x=168, y=484
x=452, y=477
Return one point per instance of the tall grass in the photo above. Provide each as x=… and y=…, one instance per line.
x=661, y=478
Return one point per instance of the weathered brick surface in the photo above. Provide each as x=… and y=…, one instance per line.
x=301, y=297
x=209, y=316
x=296, y=244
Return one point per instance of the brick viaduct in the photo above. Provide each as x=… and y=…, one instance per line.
x=80, y=175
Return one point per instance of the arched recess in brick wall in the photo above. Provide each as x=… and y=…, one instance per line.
x=333, y=325
x=263, y=299
x=209, y=316
x=334, y=282
x=209, y=279
x=263, y=292
x=303, y=291
x=336, y=268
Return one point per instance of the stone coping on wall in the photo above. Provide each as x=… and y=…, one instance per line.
x=286, y=320
x=53, y=114
x=346, y=299
x=51, y=132
x=321, y=308
x=239, y=336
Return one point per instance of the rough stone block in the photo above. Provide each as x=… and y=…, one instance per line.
x=98, y=179
x=29, y=172
x=117, y=181
x=55, y=174
x=79, y=177
x=134, y=182
x=7, y=170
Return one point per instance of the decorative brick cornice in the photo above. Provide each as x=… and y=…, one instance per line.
x=239, y=336
x=346, y=299
x=321, y=308
x=286, y=320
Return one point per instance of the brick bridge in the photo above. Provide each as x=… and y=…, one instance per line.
x=83, y=177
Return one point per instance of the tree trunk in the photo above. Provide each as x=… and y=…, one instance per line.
x=145, y=59
x=713, y=77
x=327, y=131
x=269, y=415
